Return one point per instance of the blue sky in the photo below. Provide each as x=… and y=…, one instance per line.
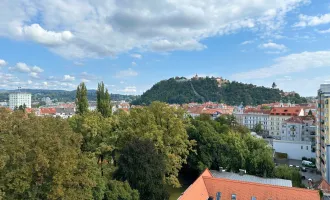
x=130, y=45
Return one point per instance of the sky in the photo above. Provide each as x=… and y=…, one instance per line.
x=131, y=45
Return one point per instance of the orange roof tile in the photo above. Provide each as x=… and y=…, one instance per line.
x=256, y=110
x=207, y=186
x=44, y=111
x=286, y=111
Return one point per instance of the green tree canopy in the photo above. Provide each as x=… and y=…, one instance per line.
x=117, y=190
x=144, y=168
x=103, y=100
x=81, y=99
x=165, y=126
x=40, y=158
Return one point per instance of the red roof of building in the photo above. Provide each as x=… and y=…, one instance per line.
x=47, y=111
x=196, y=109
x=256, y=110
x=286, y=111
x=300, y=119
x=207, y=186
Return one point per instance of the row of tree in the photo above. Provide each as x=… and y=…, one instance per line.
x=104, y=155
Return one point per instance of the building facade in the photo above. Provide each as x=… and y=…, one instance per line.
x=250, y=117
x=322, y=132
x=19, y=99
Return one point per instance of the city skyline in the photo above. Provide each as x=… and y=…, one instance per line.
x=132, y=45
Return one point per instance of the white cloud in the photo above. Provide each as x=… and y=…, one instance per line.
x=272, y=45
x=87, y=28
x=2, y=63
x=306, y=20
x=85, y=80
x=129, y=89
x=68, y=78
x=36, y=33
x=324, y=31
x=133, y=63
x=88, y=76
x=29, y=82
x=135, y=55
x=126, y=73
x=34, y=75
x=247, y=42
x=78, y=63
x=288, y=64
x=24, y=68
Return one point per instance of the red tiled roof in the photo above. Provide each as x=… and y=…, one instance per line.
x=44, y=111
x=207, y=186
x=286, y=111
x=196, y=109
x=255, y=110
x=300, y=119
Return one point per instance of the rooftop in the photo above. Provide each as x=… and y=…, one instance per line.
x=286, y=111
x=208, y=186
x=251, y=178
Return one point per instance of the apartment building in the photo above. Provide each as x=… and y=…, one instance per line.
x=322, y=132
x=278, y=115
x=250, y=117
x=19, y=99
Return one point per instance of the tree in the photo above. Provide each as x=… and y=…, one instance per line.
x=258, y=128
x=310, y=113
x=117, y=190
x=103, y=100
x=98, y=135
x=274, y=85
x=40, y=158
x=144, y=168
x=289, y=173
x=81, y=99
x=165, y=126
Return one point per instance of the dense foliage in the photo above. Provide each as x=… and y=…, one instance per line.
x=81, y=99
x=219, y=145
x=143, y=167
x=289, y=173
x=103, y=100
x=206, y=89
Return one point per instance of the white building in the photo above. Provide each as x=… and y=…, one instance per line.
x=295, y=149
x=251, y=117
x=19, y=99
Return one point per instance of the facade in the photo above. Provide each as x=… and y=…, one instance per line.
x=252, y=116
x=19, y=99
x=295, y=149
x=278, y=115
x=209, y=187
x=322, y=132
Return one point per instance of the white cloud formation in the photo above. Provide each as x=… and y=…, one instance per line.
x=135, y=55
x=126, y=73
x=24, y=68
x=106, y=28
x=272, y=45
x=288, y=64
x=247, y=42
x=34, y=75
x=133, y=63
x=324, y=31
x=85, y=80
x=68, y=78
x=50, y=38
x=129, y=89
x=305, y=20
x=2, y=63
x=78, y=63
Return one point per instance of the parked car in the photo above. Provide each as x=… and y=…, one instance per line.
x=303, y=169
x=307, y=163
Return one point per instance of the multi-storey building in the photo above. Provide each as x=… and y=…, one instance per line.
x=297, y=137
x=322, y=132
x=250, y=117
x=19, y=99
x=278, y=115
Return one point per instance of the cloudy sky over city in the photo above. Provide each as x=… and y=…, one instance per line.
x=130, y=45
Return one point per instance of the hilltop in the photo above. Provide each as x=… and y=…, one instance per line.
x=181, y=90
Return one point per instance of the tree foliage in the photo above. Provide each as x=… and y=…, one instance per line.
x=206, y=89
x=219, y=145
x=40, y=158
x=81, y=99
x=117, y=190
x=286, y=172
x=103, y=100
x=143, y=167
x=165, y=126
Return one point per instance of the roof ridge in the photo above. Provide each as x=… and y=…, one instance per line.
x=258, y=184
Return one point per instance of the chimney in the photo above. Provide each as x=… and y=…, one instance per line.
x=220, y=169
x=242, y=172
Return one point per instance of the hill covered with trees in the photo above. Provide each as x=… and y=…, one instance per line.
x=182, y=90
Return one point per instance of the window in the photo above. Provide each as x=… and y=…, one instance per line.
x=233, y=197
x=306, y=147
x=302, y=147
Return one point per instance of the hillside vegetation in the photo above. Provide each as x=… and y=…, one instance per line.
x=181, y=90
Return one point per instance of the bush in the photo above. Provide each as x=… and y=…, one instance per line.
x=281, y=155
